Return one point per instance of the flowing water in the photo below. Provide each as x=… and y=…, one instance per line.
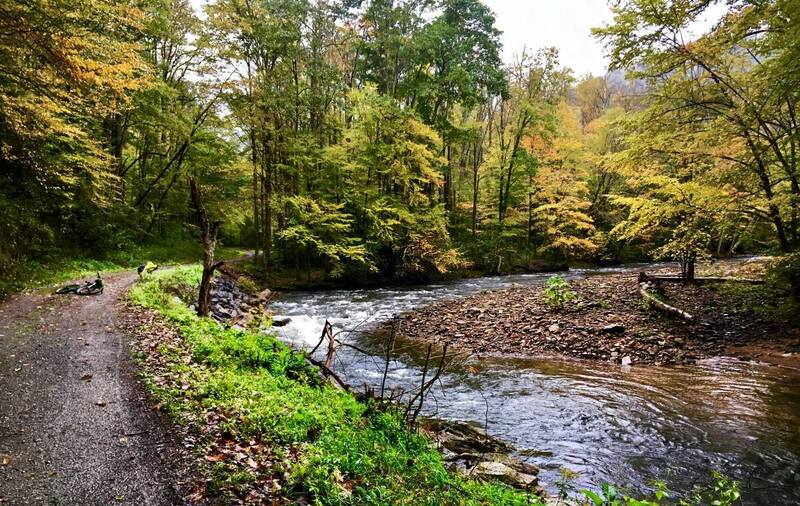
x=623, y=425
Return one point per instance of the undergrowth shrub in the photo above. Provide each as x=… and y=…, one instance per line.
x=784, y=275
x=557, y=293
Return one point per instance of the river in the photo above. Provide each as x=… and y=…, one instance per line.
x=623, y=425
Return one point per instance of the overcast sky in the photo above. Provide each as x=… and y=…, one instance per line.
x=565, y=24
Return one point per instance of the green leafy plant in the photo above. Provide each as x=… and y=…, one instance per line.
x=608, y=496
x=723, y=491
x=784, y=275
x=557, y=293
x=566, y=483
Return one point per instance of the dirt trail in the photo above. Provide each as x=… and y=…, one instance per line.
x=74, y=424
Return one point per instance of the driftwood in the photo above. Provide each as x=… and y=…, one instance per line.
x=662, y=306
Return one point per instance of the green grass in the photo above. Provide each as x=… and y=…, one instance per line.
x=56, y=269
x=349, y=452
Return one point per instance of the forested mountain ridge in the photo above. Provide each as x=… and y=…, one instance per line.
x=387, y=137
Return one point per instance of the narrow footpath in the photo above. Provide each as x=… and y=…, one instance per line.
x=75, y=427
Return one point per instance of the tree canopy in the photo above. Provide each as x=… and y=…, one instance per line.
x=388, y=138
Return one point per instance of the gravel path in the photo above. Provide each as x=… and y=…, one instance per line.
x=74, y=424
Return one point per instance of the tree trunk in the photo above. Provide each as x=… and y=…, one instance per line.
x=475, y=181
x=690, y=267
x=210, y=231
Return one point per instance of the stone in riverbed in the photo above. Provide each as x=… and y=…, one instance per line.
x=281, y=322
x=626, y=360
x=489, y=470
x=554, y=328
x=614, y=328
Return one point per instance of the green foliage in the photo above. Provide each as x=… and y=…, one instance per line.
x=391, y=161
x=387, y=138
x=784, y=274
x=711, y=105
x=722, y=491
x=557, y=293
x=247, y=285
x=324, y=230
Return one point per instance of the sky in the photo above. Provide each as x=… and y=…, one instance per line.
x=565, y=24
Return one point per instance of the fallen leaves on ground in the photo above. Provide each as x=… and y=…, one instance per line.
x=204, y=443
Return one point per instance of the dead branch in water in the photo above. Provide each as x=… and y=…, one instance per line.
x=327, y=367
x=419, y=397
x=389, y=350
x=414, y=406
x=329, y=373
x=326, y=331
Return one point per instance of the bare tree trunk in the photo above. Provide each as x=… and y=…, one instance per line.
x=210, y=232
x=690, y=267
x=475, y=194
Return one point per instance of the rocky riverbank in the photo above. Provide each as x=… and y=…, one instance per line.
x=608, y=321
x=468, y=449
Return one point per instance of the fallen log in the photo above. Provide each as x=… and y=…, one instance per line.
x=644, y=277
x=662, y=306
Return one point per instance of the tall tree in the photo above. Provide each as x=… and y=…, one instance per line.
x=735, y=81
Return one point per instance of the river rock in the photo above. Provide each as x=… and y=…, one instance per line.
x=626, y=360
x=263, y=295
x=281, y=322
x=615, y=328
x=462, y=438
x=554, y=328
x=490, y=470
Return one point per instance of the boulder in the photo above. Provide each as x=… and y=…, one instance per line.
x=462, y=438
x=263, y=295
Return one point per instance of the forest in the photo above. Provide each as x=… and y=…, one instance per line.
x=380, y=199
x=363, y=139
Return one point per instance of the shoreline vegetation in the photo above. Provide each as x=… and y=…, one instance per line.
x=257, y=424
x=268, y=429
